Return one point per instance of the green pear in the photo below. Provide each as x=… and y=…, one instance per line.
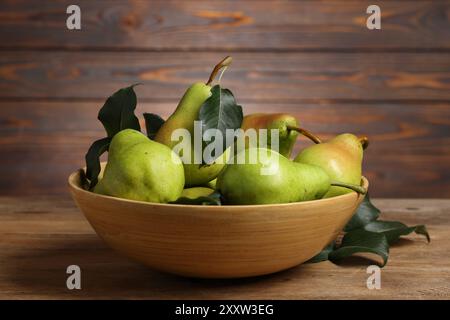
x=212, y=184
x=196, y=192
x=183, y=117
x=275, y=179
x=340, y=157
x=141, y=169
x=185, y=114
x=198, y=174
x=286, y=124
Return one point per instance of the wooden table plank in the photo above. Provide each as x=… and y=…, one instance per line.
x=230, y=25
x=408, y=157
x=269, y=77
x=41, y=236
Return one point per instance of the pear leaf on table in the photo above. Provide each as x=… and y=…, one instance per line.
x=152, y=124
x=366, y=213
x=117, y=113
x=213, y=199
x=221, y=112
x=93, y=160
x=362, y=241
x=367, y=234
x=393, y=230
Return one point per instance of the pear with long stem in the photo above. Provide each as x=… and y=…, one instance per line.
x=286, y=124
x=183, y=117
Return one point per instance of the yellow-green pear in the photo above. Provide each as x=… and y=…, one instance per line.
x=264, y=176
x=341, y=158
x=212, y=184
x=183, y=117
x=276, y=179
x=141, y=169
x=196, y=192
x=286, y=124
x=185, y=114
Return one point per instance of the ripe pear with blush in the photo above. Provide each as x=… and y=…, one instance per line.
x=286, y=124
x=341, y=158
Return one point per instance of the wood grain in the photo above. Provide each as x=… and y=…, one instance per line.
x=225, y=25
x=266, y=77
x=315, y=59
x=408, y=157
x=41, y=236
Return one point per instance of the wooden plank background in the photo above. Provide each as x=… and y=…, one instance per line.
x=316, y=60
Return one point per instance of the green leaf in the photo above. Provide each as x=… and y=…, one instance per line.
x=221, y=112
x=367, y=235
x=365, y=214
x=152, y=123
x=93, y=160
x=84, y=182
x=393, y=230
x=323, y=255
x=213, y=199
x=117, y=113
x=362, y=241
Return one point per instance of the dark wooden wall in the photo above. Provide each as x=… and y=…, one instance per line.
x=314, y=59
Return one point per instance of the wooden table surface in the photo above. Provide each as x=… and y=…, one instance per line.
x=41, y=236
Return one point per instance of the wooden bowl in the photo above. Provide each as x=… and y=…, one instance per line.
x=216, y=241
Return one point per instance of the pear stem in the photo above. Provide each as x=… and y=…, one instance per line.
x=364, y=142
x=354, y=187
x=224, y=63
x=306, y=133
